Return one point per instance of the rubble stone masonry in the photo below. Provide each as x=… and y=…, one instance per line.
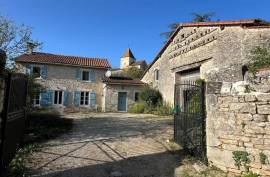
x=238, y=119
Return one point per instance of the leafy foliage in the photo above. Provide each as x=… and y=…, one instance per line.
x=200, y=17
x=172, y=28
x=263, y=158
x=151, y=96
x=134, y=72
x=34, y=88
x=137, y=108
x=17, y=165
x=241, y=159
x=259, y=58
x=14, y=38
x=251, y=174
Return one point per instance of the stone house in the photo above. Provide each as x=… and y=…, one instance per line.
x=237, y=119
x=78, y=83
x=196, y=50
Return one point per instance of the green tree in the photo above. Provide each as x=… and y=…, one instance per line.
x=134, y=72
x=197, y=17
x=14, y=38
x=202, y=17
x=172, y=28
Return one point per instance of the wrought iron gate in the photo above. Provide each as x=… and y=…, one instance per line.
x=13, y=116
x=189, y=121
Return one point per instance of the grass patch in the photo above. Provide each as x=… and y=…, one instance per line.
x=161, y=110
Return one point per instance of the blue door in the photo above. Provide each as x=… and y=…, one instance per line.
x=122, y=101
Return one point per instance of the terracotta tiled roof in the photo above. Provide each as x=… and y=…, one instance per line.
x=128, y=53
x=37, y=57
x=247, y=23
x=122, y=81
x=137, y=63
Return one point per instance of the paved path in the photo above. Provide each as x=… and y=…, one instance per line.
x=105, y=145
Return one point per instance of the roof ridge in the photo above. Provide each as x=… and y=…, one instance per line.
x=62, y=55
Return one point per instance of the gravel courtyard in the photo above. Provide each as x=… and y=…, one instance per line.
x=110, y=144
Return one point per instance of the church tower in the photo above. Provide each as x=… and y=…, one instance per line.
x=127, y=59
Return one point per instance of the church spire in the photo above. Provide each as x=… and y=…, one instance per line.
x=128, y=54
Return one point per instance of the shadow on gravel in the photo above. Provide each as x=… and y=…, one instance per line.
x=45, y=126
x=152, y=165
x=110, y=127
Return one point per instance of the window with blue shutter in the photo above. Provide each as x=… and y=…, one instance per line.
x=66, y=95
x=92, y=75
x=92, y=99
x=78, y=73
x=29, y=70
x=46, y=98
x=43, y=71
x=76, y=101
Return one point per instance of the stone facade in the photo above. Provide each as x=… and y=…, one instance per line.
x=61, y=77
x=211, y=49
x=238, y=119
x=111, y=92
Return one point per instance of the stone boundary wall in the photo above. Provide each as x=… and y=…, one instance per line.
x=238, y=119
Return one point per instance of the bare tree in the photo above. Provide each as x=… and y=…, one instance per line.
x=172, y=27
x=14, y=38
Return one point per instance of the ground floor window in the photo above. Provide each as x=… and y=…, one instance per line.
x=36, y=100
x=58, y=97
x=84, y=98
x=136, y=96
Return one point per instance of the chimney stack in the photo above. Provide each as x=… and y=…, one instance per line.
x=30, y=47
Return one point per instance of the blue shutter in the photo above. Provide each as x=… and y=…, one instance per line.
x=66, y=95
x=92, y=99
x=92, y=75
x=77, y=95
x=79, y=74
x=43, y=71
x=46, y=98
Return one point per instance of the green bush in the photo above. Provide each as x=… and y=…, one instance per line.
x=151, y=96
x=259, y=58
x=137, y=108
x=251, y=174
x=163, y=110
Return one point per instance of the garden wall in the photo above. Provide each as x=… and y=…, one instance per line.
x=238, y=121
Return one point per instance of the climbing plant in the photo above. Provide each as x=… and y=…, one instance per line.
x=241, y=158
x=259, y=58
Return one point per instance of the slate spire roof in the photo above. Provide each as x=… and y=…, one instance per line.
x=128, y=53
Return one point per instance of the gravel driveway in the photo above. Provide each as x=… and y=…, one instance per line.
x=108, y=144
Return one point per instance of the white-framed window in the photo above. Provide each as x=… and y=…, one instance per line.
x=136, y=96
x=84, y=99
x=36, y=100
x=58, y=97
x=156, y=74
x=85, y=75
x=36, y=71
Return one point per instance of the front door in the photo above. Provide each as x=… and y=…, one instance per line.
x=122, y=101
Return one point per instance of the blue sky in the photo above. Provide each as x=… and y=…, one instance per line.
x=105, y=28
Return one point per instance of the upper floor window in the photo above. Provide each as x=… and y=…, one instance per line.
x=85, y=75
x=156, y=74
x=58, y=97
x=36, y=71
